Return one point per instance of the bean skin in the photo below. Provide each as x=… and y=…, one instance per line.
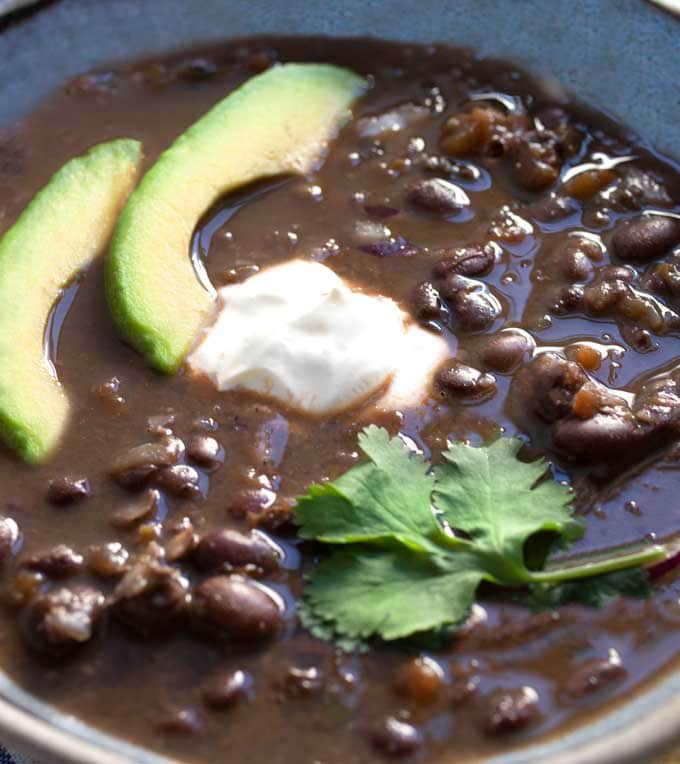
x=645, y=238
x=232, y=608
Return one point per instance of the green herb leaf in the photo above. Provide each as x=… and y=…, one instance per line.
x=386, y=498
x=593, y=592
x=367, y=590
x=406, y=567
x=500, y=502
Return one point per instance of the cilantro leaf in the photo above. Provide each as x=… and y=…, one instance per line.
x=403, y=565
x=385, y=498
x=500, y=502
x=367, y=590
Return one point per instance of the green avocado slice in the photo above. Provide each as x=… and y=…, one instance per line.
x=278, y=122
x=64, y=227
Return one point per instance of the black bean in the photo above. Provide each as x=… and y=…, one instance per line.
x=537, y=162
x=227, y=549
x=473, y=260
x=60, y=621
x=438, y=195
x=226, y=690
x=568, y=299
x=233, y=608
x=299, y=681
x=510, y=710
x=474, y=311
x=137, y=509
x=9, y=537
x=107, y=560
x=506, y=350
x=135, y=467
x=183, y=721
x=179, y=480
x=593, y=675
x=249, y=503
x=546, y=387
x=603, y=436
x=151, y=598
x=67, y=490
x=394, y=737
x=602, y=296
x=425, y=301
x=465, y=381
x=59, y=562
x=577, y=266
x=205, y=451
x=645, y=238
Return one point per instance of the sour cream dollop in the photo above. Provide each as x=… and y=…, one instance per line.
x=299, y=333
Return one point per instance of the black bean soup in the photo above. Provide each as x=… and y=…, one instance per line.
x=540, y=239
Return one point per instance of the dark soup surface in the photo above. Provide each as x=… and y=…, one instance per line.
x=153, y=568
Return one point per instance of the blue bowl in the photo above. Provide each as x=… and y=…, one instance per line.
x=620, y=54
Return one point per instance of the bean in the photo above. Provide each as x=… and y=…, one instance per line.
x=475, y=311
x=137, y=509
x=250, y=503
x=233, y=608
x=59, y=562
x=464, y=381
x=537, y=162
x=473, y=260
x=438, y=195
x=600, y=437
x=425, y=301
x=151, y=598
x=645, y=238
x=506, y=350
x=226, y=549
x=546, y=387
x=135, y=467
x=593, y=675
x=67, y=490
x=60, y=621
x=205, y=451
x=510, y=710
x=395, y=738
x=226, y=690
x=180, y=480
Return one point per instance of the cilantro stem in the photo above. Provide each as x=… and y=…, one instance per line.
x=642, y=557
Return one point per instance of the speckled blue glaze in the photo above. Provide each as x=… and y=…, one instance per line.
x=620, y=54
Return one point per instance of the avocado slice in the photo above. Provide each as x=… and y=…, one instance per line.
x=278, y=122
x=67, y=223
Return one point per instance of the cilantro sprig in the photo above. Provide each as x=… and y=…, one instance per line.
x=412, y=543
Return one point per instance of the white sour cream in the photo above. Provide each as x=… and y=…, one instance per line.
x=298, y=333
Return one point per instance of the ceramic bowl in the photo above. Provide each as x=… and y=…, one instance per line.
x=623, y=55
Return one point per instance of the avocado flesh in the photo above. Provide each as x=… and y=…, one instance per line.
x=278, y=122
x=64, y=227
